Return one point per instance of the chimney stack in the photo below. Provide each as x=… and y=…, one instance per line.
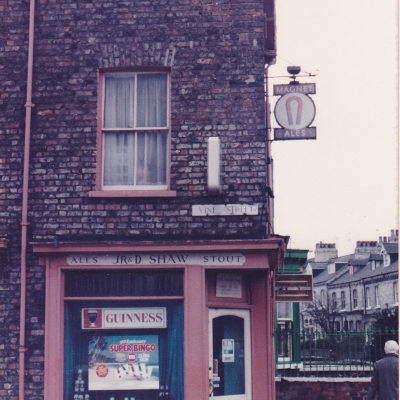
x=325, y=252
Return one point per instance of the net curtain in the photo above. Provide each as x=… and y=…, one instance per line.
x=135, y=158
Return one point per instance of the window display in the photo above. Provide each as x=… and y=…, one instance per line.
x=124, y=359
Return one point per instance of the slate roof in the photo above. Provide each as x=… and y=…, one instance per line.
x=359, y=262
x=324, y=276
x=376, y=257
x=366, y=272
x=391, y=248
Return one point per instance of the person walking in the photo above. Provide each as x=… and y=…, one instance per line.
x=385, y=377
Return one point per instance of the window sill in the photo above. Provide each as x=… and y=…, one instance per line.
x=132, y=193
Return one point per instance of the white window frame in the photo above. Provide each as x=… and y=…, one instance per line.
x=367, y=298
x=377, y=300
x=245, y=315
x=135, y=130
x=135, y=190
x=331, y=268
x=355, y=299
x=334, y=300
x=285, y=320
x=342, y=300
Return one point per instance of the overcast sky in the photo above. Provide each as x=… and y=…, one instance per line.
x=341, y=187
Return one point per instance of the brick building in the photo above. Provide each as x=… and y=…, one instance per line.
x=136, y=245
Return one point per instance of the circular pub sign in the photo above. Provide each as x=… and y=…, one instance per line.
x=294, y=111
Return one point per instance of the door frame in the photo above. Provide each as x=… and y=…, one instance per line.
x=245, y=315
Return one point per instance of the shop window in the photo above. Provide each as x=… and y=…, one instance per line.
x=136, y=283
x=134, y=132
x=121, y=348
x=103, y=363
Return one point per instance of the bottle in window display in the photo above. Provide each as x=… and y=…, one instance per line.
x=166, y=396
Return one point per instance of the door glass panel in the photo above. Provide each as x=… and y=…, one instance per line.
x=230, y=354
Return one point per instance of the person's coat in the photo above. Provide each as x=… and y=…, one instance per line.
x=385, y=379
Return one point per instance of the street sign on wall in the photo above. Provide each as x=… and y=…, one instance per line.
x=295, y=112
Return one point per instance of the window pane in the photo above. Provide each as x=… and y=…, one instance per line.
x=228, y=341
x=152, y=100
x=118, y=158
x=284, y=310
x=151, y=163
x=119, y=102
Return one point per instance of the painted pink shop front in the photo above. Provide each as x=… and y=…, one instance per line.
x=142, y=321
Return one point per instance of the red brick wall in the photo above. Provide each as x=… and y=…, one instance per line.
x=215, y=50
x=328, y=389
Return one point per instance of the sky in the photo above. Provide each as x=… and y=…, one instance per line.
x=342, y=187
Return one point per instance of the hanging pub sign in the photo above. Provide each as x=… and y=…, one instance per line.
x=293, y=288
x=295, y=111
x=123, y=362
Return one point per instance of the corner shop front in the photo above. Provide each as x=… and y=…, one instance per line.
x=188, y=320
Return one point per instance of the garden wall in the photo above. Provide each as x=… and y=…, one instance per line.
x=321, y=388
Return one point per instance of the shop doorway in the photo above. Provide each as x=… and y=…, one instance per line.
x=230, y=354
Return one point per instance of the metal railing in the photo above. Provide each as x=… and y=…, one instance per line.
x=329, y=354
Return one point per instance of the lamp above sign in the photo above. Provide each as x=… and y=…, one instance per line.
x=294, y=112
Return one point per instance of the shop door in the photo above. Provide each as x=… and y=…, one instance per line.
x=229, y=354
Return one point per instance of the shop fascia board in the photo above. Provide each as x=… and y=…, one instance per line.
x=274, y=248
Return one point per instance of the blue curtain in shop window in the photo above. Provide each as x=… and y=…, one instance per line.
x=76, y=342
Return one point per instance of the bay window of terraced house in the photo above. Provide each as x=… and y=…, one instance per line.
x=134, y=130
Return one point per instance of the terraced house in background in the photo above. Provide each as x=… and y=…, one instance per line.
x=358, y=286
x=137, y=253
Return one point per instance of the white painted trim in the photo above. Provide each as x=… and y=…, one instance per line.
x=245, y=315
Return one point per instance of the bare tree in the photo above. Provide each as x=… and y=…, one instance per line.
x=324, y=310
